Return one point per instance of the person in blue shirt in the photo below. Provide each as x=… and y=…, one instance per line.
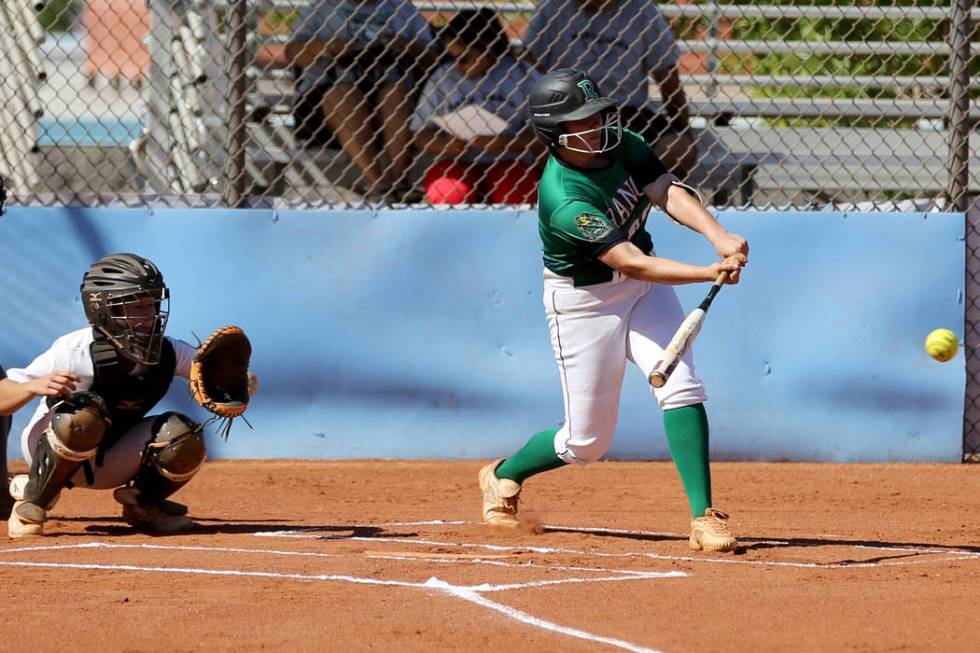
x=482, y=167
x=625, y=43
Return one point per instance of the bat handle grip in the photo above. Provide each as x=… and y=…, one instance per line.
x=722, y=278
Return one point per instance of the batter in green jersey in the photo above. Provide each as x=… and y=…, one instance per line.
x=584, y=212
x=609, y=298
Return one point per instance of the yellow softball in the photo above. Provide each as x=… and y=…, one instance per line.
x=942, y=344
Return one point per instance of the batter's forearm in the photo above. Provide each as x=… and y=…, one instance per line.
x=683, y=207
x=667, y=271
x=628, y=259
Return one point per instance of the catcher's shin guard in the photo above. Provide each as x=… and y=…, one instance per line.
x=171, y=459
x=77, y=427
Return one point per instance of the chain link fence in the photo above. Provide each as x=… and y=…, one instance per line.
x=317, y=103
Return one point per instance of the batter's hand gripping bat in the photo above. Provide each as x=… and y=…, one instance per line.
x=683, y=337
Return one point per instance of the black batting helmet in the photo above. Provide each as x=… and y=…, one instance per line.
x=562, y=95
x=111, y=290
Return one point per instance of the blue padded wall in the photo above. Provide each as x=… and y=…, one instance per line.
x=420, y=334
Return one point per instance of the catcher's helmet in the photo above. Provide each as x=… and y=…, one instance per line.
x=125, y=298
x=568, y=94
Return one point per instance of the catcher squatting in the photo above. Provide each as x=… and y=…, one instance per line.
x=91, y=429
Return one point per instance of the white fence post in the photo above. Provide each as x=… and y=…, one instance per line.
x=20, y=72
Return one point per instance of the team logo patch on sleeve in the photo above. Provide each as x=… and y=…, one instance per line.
x=593, y=227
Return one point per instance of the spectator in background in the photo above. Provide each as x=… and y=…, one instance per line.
x=362, y=59
x=472, y=117
x=624, y=42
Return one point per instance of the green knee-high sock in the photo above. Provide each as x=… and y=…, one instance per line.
x=537, y=456
x=687, y=436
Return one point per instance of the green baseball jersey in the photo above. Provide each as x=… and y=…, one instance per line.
x=584, y=212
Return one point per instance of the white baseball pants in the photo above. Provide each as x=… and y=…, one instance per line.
x=120, y=464
x=594, y=331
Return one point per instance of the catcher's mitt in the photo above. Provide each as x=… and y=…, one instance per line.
x=219, y=374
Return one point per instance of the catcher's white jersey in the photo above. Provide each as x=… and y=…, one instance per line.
x=72, y=353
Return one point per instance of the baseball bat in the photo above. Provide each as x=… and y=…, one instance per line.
x=683, y=337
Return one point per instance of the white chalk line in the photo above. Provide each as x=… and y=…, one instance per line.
x=551, y=527
x=427, y=522
x=475, y=561
x=471, y=594
x=612, y=574
x=567, y=581
x=172, y=547
x=622, y=531
x=466, y=593
x=958, y=553
x=211, y=572
x=925, y=549
x=474, y=597
x=775, y=542
x=523, y=565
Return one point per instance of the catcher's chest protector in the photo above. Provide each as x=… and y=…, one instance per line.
x=129, y=397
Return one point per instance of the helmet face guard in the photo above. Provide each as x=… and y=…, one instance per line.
x=610, y=133
x=135, y=324
x=126, y=300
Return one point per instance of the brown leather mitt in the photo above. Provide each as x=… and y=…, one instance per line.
x=219, y=373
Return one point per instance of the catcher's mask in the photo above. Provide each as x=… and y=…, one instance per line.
x=568, y=94
x=125, y=298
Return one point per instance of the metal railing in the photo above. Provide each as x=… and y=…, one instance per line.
x=20, y=106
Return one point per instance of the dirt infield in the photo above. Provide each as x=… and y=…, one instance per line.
x=379, y=555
